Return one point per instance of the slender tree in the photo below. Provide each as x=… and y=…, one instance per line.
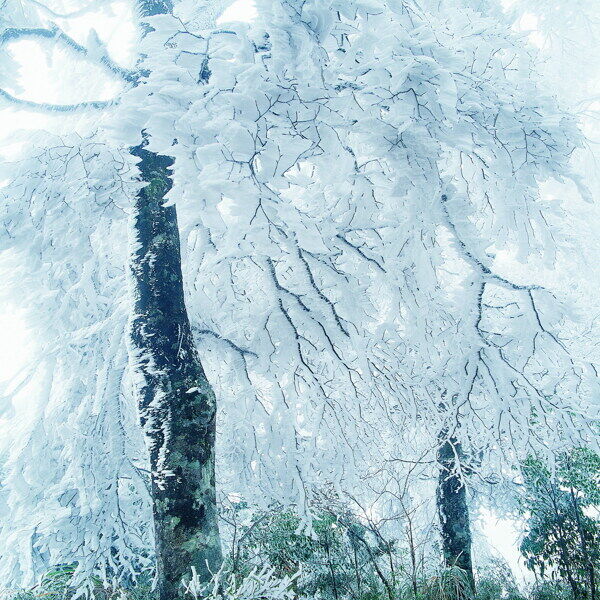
x=453, y=509
x=177, y=404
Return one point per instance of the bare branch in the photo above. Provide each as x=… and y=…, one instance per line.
x=61, y=108
x=227, y=341
x=54, y=33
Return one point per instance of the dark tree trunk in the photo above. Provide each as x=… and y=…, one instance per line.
x=584, y=546
x=561, y=539
x=453, y=510
x=177, y=405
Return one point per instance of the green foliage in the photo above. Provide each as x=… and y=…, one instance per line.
x=497, y=582
x=551, y=590
x=449, y=584
x=286, y=549
x=445, y=585
x=335, y=559
x=561, y=538
x=345, y=557
x=56, y=584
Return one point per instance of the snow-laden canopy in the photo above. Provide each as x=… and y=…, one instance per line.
x=358, y=183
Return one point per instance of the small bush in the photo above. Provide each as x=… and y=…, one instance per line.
x=551, y=590
x=449, y=584
x=259, y=584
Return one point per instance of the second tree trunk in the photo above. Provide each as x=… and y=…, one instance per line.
x=453, y=510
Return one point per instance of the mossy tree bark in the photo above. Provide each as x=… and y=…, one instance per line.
x=453, y=510
x=177, y=405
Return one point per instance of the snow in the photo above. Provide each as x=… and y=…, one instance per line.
x=364, y=242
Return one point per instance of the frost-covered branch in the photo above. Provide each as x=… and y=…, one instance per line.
x=56, y=35
x=58, y=108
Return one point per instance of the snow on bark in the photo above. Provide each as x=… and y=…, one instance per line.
x=453, y=511
x=177, y=404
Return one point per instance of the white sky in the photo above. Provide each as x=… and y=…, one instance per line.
x=503, y=537
x=241, y=10
x=44, y=78
x=15, y=344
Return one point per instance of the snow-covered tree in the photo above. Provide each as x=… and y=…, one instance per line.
x=366, y=256
x=175, y=401
x=75, y=459
x=441, y=140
